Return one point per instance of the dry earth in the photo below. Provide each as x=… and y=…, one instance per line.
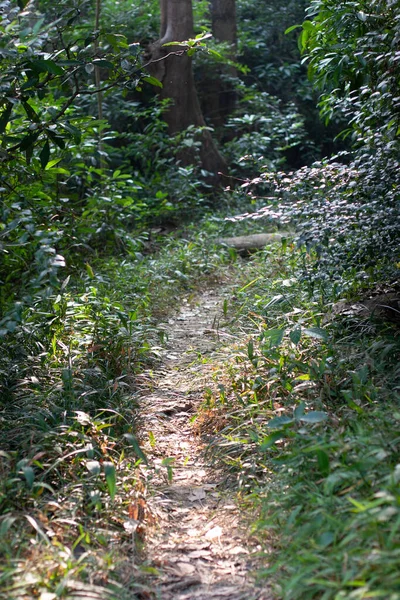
x=199, y=546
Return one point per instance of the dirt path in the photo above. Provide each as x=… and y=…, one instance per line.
x=199, y=545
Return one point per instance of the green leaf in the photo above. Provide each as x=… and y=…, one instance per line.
x=270, y=440
x=5, y=117
x=278, y=422
x=303, y=39
x=117, y=40
x=31, y=113
x=6, y=522
x=325, y=539
x=89, y=270
x=45, y=155
x=168, y=463
x=215, y=53
x=111, y=479
x=315, y=416
x=202, y=36
x=74, y=131
x=348, y=395
x=59, y=171
x=323, y=462
x=29, y=154
x=316, y=332
x=295, y=335
x=52, y=163
x=100, y=62
x=275, y=336
x=299, y=411
x=291, y=28
x=308, y=25
x=28, y=141
x=304, y=377
x=57, y=139
x=136, y=448
x=29, y=475
x=70, y=63
x=153, y=81
x=250, y=350
x=185, y=43
x=152, y=439
x=47, y=66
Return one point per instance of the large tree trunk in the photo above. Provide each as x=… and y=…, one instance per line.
x=221, y=94
x=175, y=73
x=223, y=17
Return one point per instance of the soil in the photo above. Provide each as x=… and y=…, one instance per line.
x=199, y=546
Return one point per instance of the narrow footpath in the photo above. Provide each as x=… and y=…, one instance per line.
x=198, y=547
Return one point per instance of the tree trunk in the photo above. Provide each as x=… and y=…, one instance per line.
x=223, y=18
x=175, y=73
x=221, y=94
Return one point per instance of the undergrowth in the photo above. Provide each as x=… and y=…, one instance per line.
x=311, y=407
x=72, y=480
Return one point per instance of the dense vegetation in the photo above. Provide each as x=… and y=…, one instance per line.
x=97, y=242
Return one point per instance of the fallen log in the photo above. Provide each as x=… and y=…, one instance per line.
x=256, y=241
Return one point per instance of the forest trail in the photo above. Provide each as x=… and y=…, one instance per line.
x=199, y=544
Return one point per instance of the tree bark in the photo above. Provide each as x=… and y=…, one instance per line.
x=221, y=96
x=223, y=18
x=176, y=74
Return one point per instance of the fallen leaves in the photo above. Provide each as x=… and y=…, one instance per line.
x=197, y=494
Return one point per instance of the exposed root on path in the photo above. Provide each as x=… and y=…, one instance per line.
x=199, y=547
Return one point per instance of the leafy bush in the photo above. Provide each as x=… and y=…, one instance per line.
x=347, y=215
x=265, y=133
x=59, y=200
x=347, y=208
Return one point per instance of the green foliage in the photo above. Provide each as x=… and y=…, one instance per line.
x=312, y=410
x=266, y=134
x=347, y=216
x=82, y=286
x=138, y=21
x=46, y=66
x=57, y=198
x=70, y=460
x=274, y=67
x=352, y=57
x=347, y=208
x=271, y=56
x=165, y=189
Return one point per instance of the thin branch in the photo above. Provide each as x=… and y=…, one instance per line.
x=176, y=53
